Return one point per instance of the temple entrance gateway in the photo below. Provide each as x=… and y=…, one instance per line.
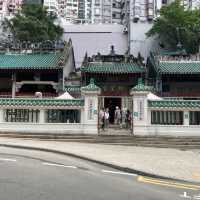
x=112, y=126
x=111, y=103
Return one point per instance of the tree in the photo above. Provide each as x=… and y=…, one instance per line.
x=177, y=25
x=33, y=24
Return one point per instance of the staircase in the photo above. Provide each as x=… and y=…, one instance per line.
x=126, y=140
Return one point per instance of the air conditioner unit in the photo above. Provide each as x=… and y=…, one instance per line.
x=125, y=30
x=155, y=18
x=136, y=18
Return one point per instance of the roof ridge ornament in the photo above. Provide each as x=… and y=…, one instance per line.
x=92, y=81
x=91, y=87
x=141, y=87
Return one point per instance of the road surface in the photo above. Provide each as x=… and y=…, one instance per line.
x=35, y=175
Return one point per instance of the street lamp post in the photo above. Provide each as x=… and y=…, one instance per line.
x=179, y=45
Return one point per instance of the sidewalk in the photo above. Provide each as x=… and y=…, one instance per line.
x=171, y=163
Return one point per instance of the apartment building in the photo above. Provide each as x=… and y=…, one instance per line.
x=106, y=11
x=9, y=7
x=67, y=9
x=33, y=1
x=51, y=6
x=138, y=17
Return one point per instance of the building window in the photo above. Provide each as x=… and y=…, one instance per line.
x=22, y=115
x=166, y=88
x=164, y=1
x=97, y=2
x=167, y=117
x=194, y=118
x=63, y=116
x=97, y=11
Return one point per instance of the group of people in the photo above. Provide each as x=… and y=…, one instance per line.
x=120, y=117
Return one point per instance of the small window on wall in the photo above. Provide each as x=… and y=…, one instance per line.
x=167, y=117
x=166, y=88
x=22, y=115
x=140, y=105
x=63, y=116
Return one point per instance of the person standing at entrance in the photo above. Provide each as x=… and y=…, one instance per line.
x=107, y=116
x=118, y=115
x=102, y=118
x=128, y=119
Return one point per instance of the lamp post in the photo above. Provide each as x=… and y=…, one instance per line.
x=179, y=45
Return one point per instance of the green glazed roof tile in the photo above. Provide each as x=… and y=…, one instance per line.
x=41, y=102
x=113, y=68
x=179, y=67
x=174, y=104
x=179, y=52
x=72, y=88
x=30, y=61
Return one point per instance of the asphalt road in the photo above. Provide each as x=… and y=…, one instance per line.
x=35, y=175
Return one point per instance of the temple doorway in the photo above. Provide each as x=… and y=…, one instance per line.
x=111, y=103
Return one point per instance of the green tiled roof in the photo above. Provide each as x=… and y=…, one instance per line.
x=141, y=87
x=72, y=88
x=174, y=104
x=174, y=53
x=30, y=61
x=113, y=68
x=91, y=86
x=187, y=67
x=8, y=102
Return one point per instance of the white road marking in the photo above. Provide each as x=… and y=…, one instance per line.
x=184, y=195
x=8, y=159
x=116, y=172
x=59, y=165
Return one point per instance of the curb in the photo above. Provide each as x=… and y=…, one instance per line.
x=124, y=169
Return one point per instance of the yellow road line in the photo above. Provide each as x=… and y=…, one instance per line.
x=196, y=175
x=168, y=183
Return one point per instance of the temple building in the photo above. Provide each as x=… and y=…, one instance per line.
x=115, y=75
x=175, y=74
x=25, y=71
x=42, y=91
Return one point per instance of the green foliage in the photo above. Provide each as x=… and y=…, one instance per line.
x=178, y=25
x=34, y=24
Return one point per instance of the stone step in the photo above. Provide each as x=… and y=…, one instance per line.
x=105, y=138
x=45, y=136
x=160, y=145
x=146, y=140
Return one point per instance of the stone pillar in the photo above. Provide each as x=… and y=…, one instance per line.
x=42, y=117
x=141, y=113
x=90, y=115
x=1, y=115
x=82, y=116
x=148, y=116
x=13, y=84
x=186, y=118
